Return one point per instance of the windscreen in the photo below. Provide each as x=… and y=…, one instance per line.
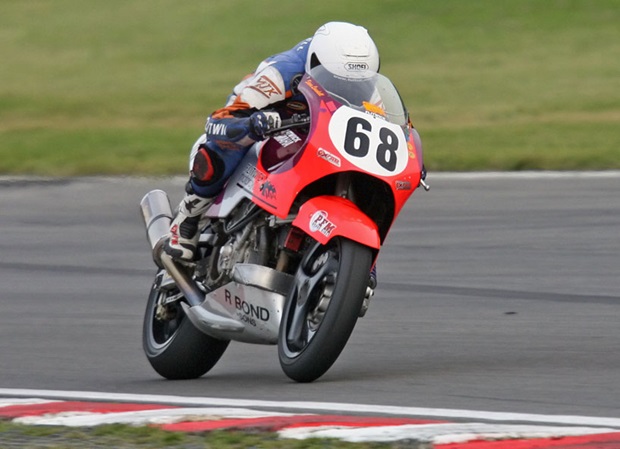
x=376, y=95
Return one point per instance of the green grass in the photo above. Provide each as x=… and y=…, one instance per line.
x=127, y=437
x=124, y=86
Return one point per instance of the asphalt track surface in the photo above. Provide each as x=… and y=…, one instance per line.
x=497, y=293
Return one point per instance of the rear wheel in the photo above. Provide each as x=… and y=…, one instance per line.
x=322, y=308
x=173, y=346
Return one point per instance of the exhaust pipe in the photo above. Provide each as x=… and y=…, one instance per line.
x=157, y=216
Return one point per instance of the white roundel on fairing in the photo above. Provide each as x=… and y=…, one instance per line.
x=371, y=144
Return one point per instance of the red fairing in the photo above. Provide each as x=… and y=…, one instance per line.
x=363, y=139
x=324, y=217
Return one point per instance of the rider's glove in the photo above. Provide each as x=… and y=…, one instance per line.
x=263, y=122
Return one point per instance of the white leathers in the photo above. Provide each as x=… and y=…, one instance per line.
x=263, y=88
x=345, y=50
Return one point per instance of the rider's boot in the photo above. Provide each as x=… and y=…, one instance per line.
x=184, y=229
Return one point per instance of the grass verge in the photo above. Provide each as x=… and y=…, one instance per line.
x=124, y=86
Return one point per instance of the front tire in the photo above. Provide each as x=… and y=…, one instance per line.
x=322, y=308
x=173, y=346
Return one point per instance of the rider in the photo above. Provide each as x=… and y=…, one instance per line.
x=344, y=49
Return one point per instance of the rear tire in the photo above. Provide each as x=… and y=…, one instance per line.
x=173, y=346
x=322, y=308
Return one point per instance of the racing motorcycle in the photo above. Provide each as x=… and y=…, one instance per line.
x=286, y=249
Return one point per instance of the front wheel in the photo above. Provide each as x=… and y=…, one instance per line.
x=322, y=307
x=173, y=346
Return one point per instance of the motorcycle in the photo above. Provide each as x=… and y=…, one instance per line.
x=286, y=249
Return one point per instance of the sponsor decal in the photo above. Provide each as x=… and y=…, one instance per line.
x=319, y=222
x=403, y=185
x=329, y=157
x=356, y=66
x=374, y=109
x=411, y=150
x=287, y=138
x=317, y=90
x=250, y=175
x=268, y=190
x=215, y=129
x=246, y=311
x=265, y=86
x=296, y=106
x=289, y=142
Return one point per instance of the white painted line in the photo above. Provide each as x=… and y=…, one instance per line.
x=343, y=408
x=5, y=402
x=143, y=417
x=440, y=433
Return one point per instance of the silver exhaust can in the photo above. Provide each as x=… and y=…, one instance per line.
x=157, y=216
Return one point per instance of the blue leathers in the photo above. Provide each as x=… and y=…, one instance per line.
x=231, y=130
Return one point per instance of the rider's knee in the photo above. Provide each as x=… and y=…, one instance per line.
x=207, y=172
x=208, y=167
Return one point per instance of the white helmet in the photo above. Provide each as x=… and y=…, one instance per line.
x=345, y=50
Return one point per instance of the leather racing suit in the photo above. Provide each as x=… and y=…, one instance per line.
x=231, y=130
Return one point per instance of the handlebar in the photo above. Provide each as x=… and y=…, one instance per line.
x=296, y=121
